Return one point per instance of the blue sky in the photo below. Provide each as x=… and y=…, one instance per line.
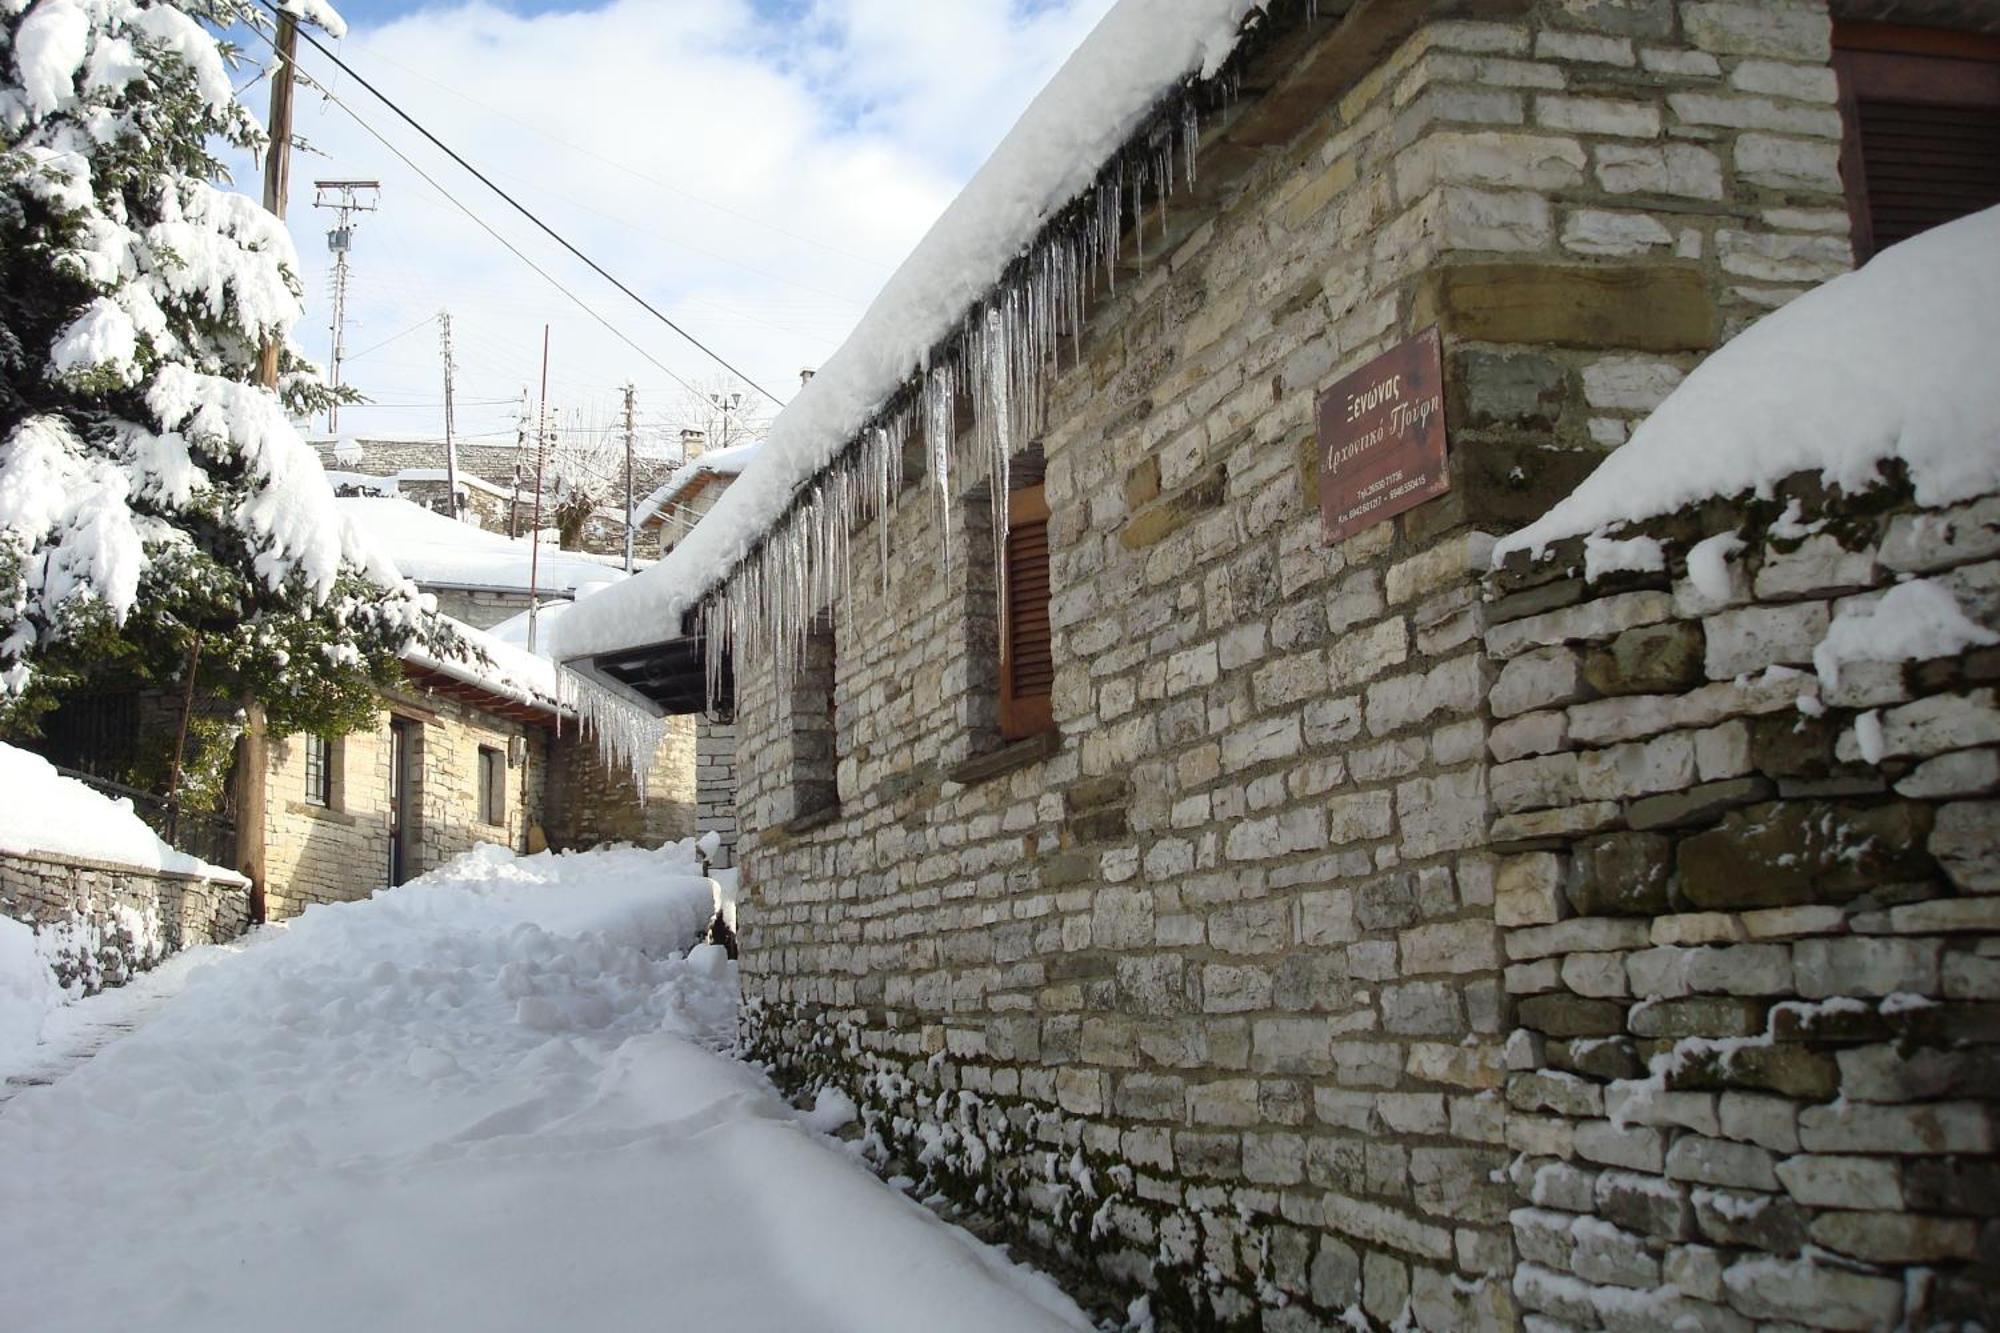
x=756, y=168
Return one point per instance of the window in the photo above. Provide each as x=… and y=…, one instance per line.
x=1921, y=112
x=815, y=751
x=319, y=771
x=492, y=785
x=1027, y=660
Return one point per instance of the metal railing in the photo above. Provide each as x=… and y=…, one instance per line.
x=210, y=835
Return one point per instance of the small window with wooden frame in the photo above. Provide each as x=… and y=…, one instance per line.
x=322, y=759
x=1027, y=658
x=492, y=785
x=809, y=689
x=1920, y=112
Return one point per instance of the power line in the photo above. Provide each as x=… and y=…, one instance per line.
x=515, y=204
x=512, y=249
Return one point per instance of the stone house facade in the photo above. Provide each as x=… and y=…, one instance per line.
x=1311, y=967
x=448, y=765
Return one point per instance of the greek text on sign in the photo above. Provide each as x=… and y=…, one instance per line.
x=1382, y=438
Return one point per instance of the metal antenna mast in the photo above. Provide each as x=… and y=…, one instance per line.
x=345, y=199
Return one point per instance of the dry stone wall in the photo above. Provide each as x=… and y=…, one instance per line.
x=113, y=921
x=1750, y=923
x=1214, y=994
x=591, y=801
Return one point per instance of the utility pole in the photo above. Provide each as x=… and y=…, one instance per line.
x=520, y=449
x=629, y=394
x=535, y=533
x=252, y=746
x=345, y=199
x=450, y=445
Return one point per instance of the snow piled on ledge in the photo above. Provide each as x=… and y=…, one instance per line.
x=47, y=814
x=1898, y=360
x=1140, y=50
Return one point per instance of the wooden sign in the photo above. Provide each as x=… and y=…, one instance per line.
x=1381, y=438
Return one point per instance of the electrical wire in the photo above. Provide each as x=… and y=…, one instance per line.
x=512, y=202
x=512, y=249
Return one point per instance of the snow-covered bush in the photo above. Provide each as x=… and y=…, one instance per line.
x=152, y=497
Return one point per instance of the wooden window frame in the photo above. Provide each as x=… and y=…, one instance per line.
x=492, y=786
x=320, y=766
x=1025, y=715
x=1891, y=62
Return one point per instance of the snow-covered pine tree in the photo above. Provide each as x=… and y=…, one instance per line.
x=151, y=497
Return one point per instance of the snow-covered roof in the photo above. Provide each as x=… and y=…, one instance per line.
x=1137, y=56
x=1896, y=361
x=512, y=673
x=698, y=472
x=48, y=814
x=439, y=551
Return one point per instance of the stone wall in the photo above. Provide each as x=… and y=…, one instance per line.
x=340, y=852
x=114, y=921
x=715, y=785
x=483, y=608
x=1208, y=994
x=1749, y=917
x=592, y=802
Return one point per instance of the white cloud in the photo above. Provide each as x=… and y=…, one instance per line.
x=755, y=177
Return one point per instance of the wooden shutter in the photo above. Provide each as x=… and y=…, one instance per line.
x=1027, y=662
x=1922, y=118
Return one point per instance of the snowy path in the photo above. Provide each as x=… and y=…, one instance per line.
x=75, y=1032
x=486, y=1102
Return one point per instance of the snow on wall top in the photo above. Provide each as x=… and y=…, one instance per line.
x=432, y=549
x=1894, y=361
x=1139, y=52
x=48, y=814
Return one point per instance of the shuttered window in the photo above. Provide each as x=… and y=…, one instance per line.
x=1921, y=109
x=1027, y=663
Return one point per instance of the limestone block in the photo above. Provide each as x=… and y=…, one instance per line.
x=1675, y=169
x=1535, y=680
x=1644, y=1203
x=1610, y=116
x=1637, y=1148
x=1939, y=1127
x=1866, y=966
x=1532, y=734
x=1784, y=30
x=1938, y=539
x=1896, y=1238
x=1810, y=1292
x=1964, y=841
x=1964, y=773
x=1443, y=813
x=1819, y=565
x=1583, y=47
x=1528, y=890
x=1639, y=768
x=1600, y=618
x=1843, y=1182
x=1755, y=637
x=1781, y=162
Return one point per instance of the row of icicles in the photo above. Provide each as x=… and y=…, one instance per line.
x=1001, y=362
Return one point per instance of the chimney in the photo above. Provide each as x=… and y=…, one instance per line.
x=805, y=377
x=692, y=442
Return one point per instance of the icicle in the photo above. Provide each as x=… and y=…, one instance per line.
x=628, y=735
x=1190, y=135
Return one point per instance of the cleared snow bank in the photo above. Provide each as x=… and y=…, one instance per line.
x=1894, y=361
x=492, y=1099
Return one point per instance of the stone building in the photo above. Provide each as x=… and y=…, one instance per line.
x=1307, y=934
x=463, y=753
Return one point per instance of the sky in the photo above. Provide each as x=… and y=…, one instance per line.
x=754, y=168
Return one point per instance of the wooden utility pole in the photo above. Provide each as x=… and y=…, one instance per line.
x=450, y=444
x=253, y=748
x=535, y=532
x=630, y=393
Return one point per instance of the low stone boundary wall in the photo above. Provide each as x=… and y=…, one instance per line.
x=1751, y=918
x=119, y=920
